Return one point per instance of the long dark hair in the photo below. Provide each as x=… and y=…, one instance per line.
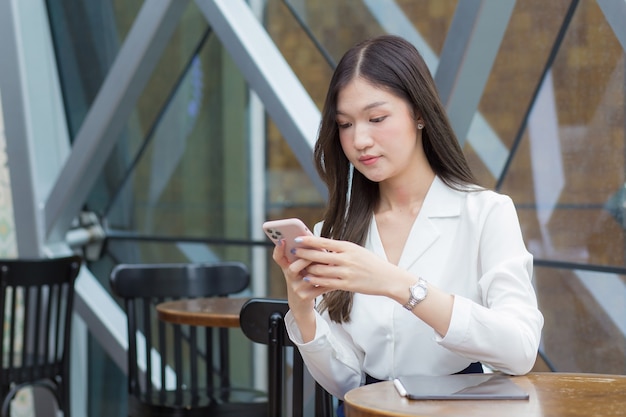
x=391, y=63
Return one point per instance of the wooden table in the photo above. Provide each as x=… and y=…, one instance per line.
x=210, y=312
x=551, y=394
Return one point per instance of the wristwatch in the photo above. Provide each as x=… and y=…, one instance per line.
x=417, y=293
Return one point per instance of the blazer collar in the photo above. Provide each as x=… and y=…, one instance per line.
x=441, y=202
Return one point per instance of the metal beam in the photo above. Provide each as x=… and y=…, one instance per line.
x=18, y=144
x=469, y=51
x=110, y=111
x=269, y=75
x=615, y=13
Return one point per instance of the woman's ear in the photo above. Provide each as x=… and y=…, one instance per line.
x=419, y=121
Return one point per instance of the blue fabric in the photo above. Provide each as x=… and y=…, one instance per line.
x=473, y=368
x=339, y=410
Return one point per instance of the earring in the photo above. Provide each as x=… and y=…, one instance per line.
x=420, y=126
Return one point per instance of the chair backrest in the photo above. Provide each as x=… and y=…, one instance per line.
x=178, y=359
x=36, y=306
x=262, y=321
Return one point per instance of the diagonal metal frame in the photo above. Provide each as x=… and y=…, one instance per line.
x=468, y=54
x=556, y=45
x=269, y=75
x=21, y=173
x=615, y=13
x=110, y=111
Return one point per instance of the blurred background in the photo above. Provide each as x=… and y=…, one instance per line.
x=168, y=130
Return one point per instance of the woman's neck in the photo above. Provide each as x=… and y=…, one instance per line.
x=405, y=196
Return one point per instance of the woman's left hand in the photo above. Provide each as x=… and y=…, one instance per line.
x=342, y=265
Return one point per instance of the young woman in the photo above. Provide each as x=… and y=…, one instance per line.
x=415, y=269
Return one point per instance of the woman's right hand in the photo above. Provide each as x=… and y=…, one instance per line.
x=301, y=294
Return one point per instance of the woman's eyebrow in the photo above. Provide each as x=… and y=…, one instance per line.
x=367, y=107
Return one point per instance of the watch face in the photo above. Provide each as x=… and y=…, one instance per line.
x=419, y=292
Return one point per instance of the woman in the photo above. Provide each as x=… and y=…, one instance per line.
x=415, y=269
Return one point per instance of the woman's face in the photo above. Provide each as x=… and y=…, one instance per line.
x=377, y=132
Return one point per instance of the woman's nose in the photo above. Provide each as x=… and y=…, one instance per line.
x=362, y=138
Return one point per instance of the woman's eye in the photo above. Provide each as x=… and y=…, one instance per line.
x=378, y=119
x=344, y=125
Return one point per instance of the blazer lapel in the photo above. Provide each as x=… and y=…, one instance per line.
x=440, y=202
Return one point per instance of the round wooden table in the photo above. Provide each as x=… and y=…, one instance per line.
x=210, y=312
x=551, y=394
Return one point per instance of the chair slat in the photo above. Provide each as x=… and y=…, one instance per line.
x=12, y=332
x=133, y=372
x=298, y=383
x=194, y=355
x=146, y=307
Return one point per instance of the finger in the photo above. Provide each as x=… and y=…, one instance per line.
x=312, y=291
x=324, y=283
x=316, y=256
x=306, y=291
x=322, y=243
x=279, y=253
x=297, y=269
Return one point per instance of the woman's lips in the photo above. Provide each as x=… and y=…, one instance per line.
x=368, y=160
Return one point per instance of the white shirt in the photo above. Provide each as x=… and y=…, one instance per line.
x=468, y=244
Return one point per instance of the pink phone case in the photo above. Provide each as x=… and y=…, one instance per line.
x=287, y=229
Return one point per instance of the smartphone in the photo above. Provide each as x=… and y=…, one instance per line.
x=287, y=229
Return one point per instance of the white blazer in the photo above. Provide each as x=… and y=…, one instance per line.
x=466, y=243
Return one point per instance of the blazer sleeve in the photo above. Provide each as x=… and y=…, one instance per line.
x=504, y=330
x=331, y=357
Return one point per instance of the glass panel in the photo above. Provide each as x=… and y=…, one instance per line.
x=585, y=320
x=313, y=35
x=87, y=37
x=125, y=249
x=567, y=179
x=192, y=179
x=568, y=174
x=516, y=72
x=176, y=61
x=107, y=384
x=431, y=20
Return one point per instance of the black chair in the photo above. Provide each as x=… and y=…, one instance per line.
x=262, y=322
x=36, y=303
x=186, y=352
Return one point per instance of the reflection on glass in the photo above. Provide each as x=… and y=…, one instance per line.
x=87, y=37
x=585, y=319
x=191, y=179
x=307, y=30
x=568, y=175
x=514, y=77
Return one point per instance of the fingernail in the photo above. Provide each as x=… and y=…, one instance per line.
x=306, y=279
x=298, y=240
x=293, y=251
